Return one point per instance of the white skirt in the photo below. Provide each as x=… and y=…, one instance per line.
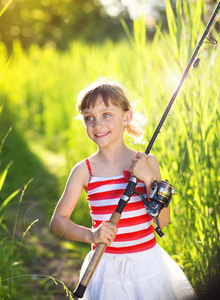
x=148, y=275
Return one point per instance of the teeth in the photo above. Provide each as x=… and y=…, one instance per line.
x=101, y=134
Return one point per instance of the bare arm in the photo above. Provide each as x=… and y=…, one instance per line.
x=146, y=168
x=61, y=224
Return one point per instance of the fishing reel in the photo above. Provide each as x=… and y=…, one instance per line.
x=160, y=197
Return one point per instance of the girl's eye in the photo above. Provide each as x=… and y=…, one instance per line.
x=107, y=115
x=88, y=118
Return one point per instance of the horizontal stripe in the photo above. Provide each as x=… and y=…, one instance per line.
x=127, y=221
x=93, y=186
x=106, y=188
x=134, y=235
x=111, y=208
x=132, y=249
x=133, y=242
x=96, y=182
x=134, y=228
x=112, y=193
x=111, y=187
x=114, y=201
x=125, y=214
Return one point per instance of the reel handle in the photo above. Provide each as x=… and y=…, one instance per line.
x=100, y=249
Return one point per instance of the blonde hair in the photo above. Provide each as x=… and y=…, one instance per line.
x=109, y=91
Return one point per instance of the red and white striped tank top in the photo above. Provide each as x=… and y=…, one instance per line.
x=135, y=229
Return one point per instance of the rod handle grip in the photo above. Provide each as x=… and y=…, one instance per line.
x=100, y=249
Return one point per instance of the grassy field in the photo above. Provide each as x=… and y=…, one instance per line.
x=38, y=91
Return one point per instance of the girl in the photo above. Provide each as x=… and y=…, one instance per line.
x=133, y=266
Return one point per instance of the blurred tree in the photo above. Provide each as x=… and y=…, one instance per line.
x=57, y=22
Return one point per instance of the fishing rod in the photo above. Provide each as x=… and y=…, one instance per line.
x=161, y=192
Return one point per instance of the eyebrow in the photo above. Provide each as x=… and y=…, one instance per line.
x=107, y=108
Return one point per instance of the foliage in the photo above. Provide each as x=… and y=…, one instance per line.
x=57, y=22
x=41, y=110
x=16, y=252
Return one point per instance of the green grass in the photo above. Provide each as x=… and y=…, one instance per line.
x=38, y=93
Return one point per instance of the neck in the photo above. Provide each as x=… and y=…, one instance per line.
x=113, y=155
x=110, y=162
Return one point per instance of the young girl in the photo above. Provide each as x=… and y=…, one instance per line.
x=133, y=266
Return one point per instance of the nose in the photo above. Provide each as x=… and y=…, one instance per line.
x=97, y=123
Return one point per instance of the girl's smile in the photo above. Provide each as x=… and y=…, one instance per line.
x=101, y=134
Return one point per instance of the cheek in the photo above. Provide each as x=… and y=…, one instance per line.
x=87, y=129
x=113, y=122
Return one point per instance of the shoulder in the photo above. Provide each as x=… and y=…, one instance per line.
x=80, y=174
x=80, y=166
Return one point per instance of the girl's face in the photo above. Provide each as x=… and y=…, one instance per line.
x=105, y=125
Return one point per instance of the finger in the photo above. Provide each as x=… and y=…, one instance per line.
x=110, y=230
x=107, y=242
x=131, y=167
x=107, y=237
x=110, y=237
x=145, y=155
x=110, y=227
x=138, y=155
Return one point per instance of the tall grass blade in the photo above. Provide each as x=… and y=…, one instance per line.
x=179, y=25
x=8, y=199
x=197, y=17
x=15, y=226
x=2, y=143
x=171, y=19
x=23, y=236
x=3, y=175
x=5, y=7
x=5, y=69
x=127, y=31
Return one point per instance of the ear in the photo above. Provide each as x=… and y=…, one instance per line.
x=127, y=117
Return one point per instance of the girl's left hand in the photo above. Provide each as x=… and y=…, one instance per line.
x=143, y=167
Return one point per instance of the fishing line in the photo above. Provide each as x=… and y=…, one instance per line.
x=193, y=121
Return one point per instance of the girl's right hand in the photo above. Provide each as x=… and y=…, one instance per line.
x=104, y=233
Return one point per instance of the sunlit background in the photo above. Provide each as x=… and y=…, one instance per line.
x=49, y=50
